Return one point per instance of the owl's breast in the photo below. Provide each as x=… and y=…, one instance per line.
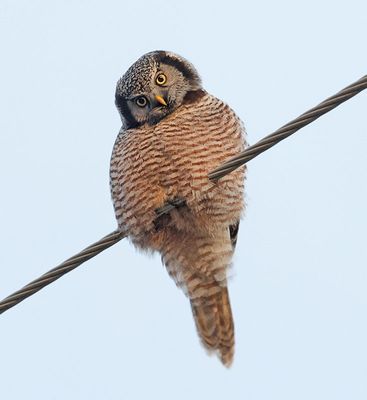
x=151, y=165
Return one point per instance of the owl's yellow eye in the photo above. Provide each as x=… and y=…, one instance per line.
x=141, y=101
x=161, y=79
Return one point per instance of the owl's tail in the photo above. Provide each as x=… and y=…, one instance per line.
x=214, y=323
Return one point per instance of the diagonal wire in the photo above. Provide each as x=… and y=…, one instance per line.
x=57, y=272
x=289, y=128
x=224, y=169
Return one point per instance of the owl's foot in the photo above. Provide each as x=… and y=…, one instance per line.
x=169, y=206
x=163, y=216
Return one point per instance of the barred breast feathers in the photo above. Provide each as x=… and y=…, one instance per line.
x=153, y=164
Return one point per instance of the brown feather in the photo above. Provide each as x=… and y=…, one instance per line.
x=214, y=323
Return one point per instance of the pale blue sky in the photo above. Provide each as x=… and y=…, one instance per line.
x=117, y=327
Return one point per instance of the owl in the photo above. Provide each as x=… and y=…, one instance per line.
x=173, y=134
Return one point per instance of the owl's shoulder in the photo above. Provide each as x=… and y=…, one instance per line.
x=127, y=138
x=206, y=102
x=208, y=107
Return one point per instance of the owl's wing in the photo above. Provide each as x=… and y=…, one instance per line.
x=233, y=232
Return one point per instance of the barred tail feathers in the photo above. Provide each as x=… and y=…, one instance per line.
x=198, y=264
x=214, y=323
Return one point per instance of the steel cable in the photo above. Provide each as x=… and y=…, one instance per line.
x=57, y=272
x=224, y=169
x=288, y=129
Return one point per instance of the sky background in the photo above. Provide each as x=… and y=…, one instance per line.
x=117, y=327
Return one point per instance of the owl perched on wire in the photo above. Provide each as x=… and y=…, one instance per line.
x=173, y=134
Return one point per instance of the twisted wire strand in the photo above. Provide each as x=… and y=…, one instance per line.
x=289, y=128
x=62, y=269
x=224, y=169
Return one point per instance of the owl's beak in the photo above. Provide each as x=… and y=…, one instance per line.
x=160, y=100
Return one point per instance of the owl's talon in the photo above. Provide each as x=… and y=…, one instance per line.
x=163, y=216
x=169, y=206
x=177, y=203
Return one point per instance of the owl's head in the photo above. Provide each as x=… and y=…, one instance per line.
x=155, y=85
